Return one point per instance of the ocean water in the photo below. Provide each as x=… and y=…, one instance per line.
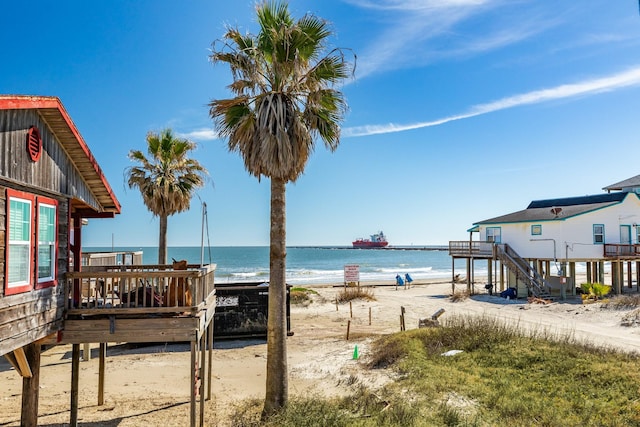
x=311, y=265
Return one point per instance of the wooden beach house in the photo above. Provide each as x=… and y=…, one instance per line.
x=535, y=250
x=49, y=184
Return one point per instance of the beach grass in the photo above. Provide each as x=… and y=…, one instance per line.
x=355, y=293
x=500, y=377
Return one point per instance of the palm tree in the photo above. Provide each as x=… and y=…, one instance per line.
x=284, y=99
x=166, y=180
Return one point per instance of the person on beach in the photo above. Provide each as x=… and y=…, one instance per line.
x=399, y=280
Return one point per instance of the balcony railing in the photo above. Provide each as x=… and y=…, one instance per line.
x=621, y=251
x=120, y=289
x=471, y=249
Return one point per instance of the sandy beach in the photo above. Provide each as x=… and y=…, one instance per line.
x=149, y=385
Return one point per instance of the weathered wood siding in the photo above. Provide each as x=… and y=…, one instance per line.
x=54, y=172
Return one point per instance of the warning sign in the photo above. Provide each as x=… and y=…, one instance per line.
x=351, y=273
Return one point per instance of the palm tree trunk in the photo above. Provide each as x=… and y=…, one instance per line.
x=162, y=244
x=277, y=375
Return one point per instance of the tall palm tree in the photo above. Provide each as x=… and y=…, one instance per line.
x=284, y=99
x=166, y=179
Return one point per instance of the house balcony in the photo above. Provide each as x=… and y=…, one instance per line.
x=623, y=252
x=138, y=303
x=471, y=249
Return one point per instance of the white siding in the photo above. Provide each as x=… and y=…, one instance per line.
x=570, y=238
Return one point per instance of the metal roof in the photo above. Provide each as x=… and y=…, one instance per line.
x=559, y=209
x=53, y=112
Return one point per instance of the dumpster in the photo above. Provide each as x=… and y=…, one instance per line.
x=242, y=310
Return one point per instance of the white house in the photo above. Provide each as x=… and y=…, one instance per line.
x=569, y=229
x=595, y=230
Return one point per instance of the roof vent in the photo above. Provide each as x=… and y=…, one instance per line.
x=34, y=143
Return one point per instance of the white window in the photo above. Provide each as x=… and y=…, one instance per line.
x=494, y=235
x=598, y=234
x=19, y=242
x=31, y=254
x=46, y=242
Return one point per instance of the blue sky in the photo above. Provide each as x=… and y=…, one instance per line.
x=460, y=110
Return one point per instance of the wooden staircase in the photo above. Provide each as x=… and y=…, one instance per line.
x=535, y=283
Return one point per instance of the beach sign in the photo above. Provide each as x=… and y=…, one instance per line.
x=351, y=273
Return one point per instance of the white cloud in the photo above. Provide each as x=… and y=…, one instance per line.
x=417, y=32
x=202, y=134
x=587, y=87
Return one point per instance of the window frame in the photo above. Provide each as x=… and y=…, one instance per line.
x=536, y=229
x=33, y=244
x=493, y=235
x=45, y=282
x=22, y=286
x=595, y=240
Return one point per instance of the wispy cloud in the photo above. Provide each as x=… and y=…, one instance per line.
x=414, y=32
x=583, y=88
x=202, y=134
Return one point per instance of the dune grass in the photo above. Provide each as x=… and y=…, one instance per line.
x=501, y=378
x=355, y=292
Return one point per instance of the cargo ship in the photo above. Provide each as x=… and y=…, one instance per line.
x=376, y=241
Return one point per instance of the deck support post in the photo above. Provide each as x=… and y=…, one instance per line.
x=203, y=359
x=469, y=262
x=629, y=275
x=601, y=272
x=192, y=386
x=572, y=275
x=489, y=270
x=589, y=272
x=637, y=276
x=209, y=373
x=75, y=373
x=101, y=367
x=31, y=386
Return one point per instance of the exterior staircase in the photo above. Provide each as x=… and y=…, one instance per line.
x=535, y=283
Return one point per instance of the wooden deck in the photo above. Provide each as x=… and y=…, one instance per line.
x=471, y=249
x=132, y=303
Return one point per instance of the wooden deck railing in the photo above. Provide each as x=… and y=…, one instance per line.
x=120, y=289
x=469, y=249
x=621, y=251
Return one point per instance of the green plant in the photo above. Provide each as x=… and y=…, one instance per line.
x=594, y=291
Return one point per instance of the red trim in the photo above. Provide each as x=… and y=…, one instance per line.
x=29, y=285
x=15, y=102
x=54, y=282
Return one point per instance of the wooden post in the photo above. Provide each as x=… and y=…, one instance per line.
x=637, y=276
x=192, y=386
x=453, y=275
x=75, y=379
x=589, y=272
x=336, y=303
x=31, y=386
x=489, y=271
x=101, y=367
x=348, y=328
x=86, y=352
x=601, y=272
x=203, y=357
x=209, y=375
x=350, y=310
x=369, y=316
x=402, y=325
x=629, y=275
